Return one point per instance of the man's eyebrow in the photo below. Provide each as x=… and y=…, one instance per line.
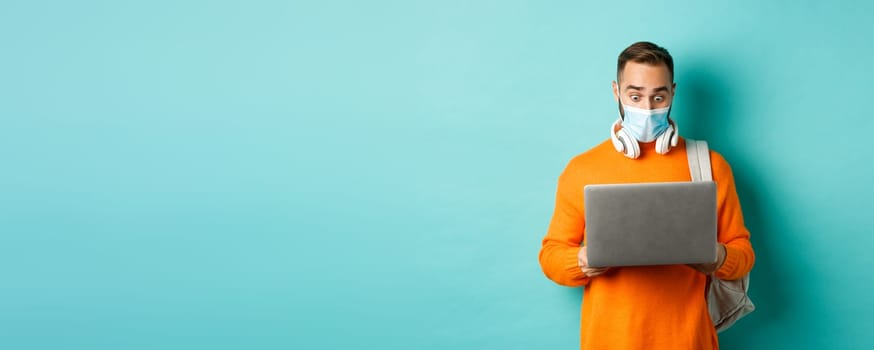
x=641, y=88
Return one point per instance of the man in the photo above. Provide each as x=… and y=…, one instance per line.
x=642, y=307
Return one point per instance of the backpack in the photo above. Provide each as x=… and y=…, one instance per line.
x=727, y=301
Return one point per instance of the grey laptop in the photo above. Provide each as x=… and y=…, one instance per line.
x=650, y=223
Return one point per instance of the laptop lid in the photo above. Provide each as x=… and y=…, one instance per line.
x=650, y=223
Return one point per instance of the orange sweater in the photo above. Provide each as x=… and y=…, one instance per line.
x=646, y=307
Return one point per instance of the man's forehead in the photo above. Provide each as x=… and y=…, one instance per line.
x=644, y=76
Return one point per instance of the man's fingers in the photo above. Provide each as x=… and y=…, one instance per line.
x=594, y=271
x=702, y=268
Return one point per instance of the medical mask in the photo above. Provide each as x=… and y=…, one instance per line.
x=645, y=124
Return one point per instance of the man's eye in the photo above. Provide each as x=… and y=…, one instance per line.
x=659, y=98
x=635, y=98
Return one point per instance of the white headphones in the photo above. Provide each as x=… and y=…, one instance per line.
x=626, y=144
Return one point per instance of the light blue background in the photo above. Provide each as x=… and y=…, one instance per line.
x=379, y=175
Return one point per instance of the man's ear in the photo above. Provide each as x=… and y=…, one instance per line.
x=673, y=89
x=616, y=91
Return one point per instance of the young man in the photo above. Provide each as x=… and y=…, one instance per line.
x=642, y=307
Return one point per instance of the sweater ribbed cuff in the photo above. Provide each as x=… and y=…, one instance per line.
x=572, y=265
x=729, y=267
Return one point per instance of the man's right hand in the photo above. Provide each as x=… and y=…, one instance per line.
x=583, y=261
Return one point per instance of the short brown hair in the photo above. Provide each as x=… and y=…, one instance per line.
x=645, y=52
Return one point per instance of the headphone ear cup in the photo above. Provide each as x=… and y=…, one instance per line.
x=632, y=149
x=675, y=139
x=665, y=140
x=617, y=144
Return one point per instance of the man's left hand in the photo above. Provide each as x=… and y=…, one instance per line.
x=711, y=268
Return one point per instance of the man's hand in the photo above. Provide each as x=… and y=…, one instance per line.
x=583, y=261
x=711, y=268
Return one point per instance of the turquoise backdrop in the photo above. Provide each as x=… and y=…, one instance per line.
x=379, y=174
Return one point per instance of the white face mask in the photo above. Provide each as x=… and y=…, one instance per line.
x=645, y=124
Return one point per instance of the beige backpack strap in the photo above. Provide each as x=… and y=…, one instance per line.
x=698, y=154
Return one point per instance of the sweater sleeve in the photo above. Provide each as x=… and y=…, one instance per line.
x=739, y=257
x=558, y=253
